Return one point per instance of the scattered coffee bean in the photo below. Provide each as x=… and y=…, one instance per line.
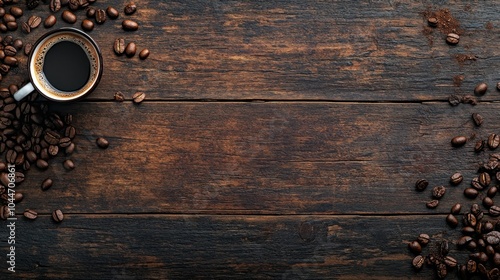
x=433, y=204
x=492, y=191
x=34, y=21
x=131, y=49
x=68, y=164
x=112, y=13
x=451, y=220
x=16, y=11
x=31, y=4
x=450, y=262
x=57, y=216
x=488, y=202
x=432, y=21
x=452, y=38
x=12, y=26
x=102, y=143
x=477, y=118
x=484, y=179
x=55, y=5
x=74, y=4
x=119, y=46
x=493, y=141
x=119, y=96
x=87, y=25
x=455, y=209
x=10, y=51
x=130, y=25
x=17, y=44
x=421, y=185
x=423, y=239
x=415, y=247
x=130, y=9
x=481, y=89
x=46, y=184
x=418, y=262
x=8, y=18
x=144, y=54
x=458, y=141
x=456, y=178
x=471, y=193
x=494, y=211
x=30, y=214
x=91, y=12
x=138, y=97
x=42, y=164
x=70, y=149
x=479, y=146
x=69, y=17
x=50, y=21
x=441, y=270
x=100, y=16
x=438, y=192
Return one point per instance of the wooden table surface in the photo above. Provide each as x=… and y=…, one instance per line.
x=278, y=140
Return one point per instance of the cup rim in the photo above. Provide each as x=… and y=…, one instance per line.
x=79, y=32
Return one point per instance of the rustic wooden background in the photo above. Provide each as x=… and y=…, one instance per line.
x=278, y=140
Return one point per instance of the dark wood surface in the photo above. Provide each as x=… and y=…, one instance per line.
x=278, y=140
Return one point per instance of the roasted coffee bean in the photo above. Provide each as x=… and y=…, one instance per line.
x=479, y=146
x=84, y=3
x=475, y=209
x=455, y=209
x=492, y=238
x=44, y=154
x=130, y=49
x=17, y=44
x=46, y=184
x=30, y=214
x=69, y=17
x=452, y=38
x=415, y=247
x=11, y=61
x=418, y=262
x=4, y=69
x=112, y=13
x=494, y=211
x=476, y=184
x=42, y=164
x=2, y=11
x=432, y=21
x=4, y=212
x=458, y=141
x=478, y=119
x=450, y=262
x=119, y=96
x=130, y=9
x=16, y=11
x=31, y=156
x=441, y=270
x=119, y=46
x=91, y=12
x=11, y=156
x=492, y=191
x=12, y=26
x=34, y=21
x=438, y=192
x=493, y=274
x=74, y=4
x=64, y=142
x=471, y=266
x=70, y=132
x=487, y=227
x=49, y=21
x=57, y=216
x=130, y=25
x=87, y=25
x=488, y=202
x=444, y=248
x=469, y=99
x=138, y=97
x=493, y=141
x=25, y=27
x=70, y=149
x=456, y=178
x=469, y=220
x=52, y=137
x=144, y=54
x=53, y=150
x=464, y=240
x=7, y=40
x=481, y=89
x=55, y=5
x=455, y=99
x=451, y=220
x=100, y=16
x=8, y=18
x=498, y=86
x=68, y=164
x=102, y=143
x=484, y=179
x=27, y=49
x=496, y=259
x=423, y=239
x=31, y=4
x=479, y=257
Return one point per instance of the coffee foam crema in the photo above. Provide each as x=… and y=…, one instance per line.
x=38, y=60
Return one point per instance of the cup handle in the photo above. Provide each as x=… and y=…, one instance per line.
x=23, y=92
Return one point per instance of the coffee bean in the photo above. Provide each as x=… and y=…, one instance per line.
x=100, y=16
x=492, y=191
x=55, y=5
x=441, y=271
x=25, y=27
x=53, y=150
x=91, y=12
x=50, y=21
x=493, y=141
x=4, y=212
x=2, y=11
x=130, y=9
x=74, y=4
x=451, y=220
x=455, y=100
x=458, y=141
x=119, y=46
x=481, y=89
x=493, y=274
x=30, y=214
x=498, y=86
x=42, y=164
x=69, y=17
x=494, y=211
x=12, y=26
x=70, y=132
x=464, y=240
x=418, y=262
x=452, y=38
x=17, y=44
x=31, y=4
x=70, y=149
x=8, y=18
x=102, y=143
x=52, y=137
x=68, y=164
x=131, y=49
x=477, y=118
x=57, y=216
x=432, y=21
x=130, y=25
x=138, y=97
x=450, y=262
x=11, y=61
x=456, y=178
x=144, y=54
x=64, y=142
x=479, y=146
x=16, y=11
x=493, y=237
x=484, y=179
x=423, y=239
x=488, y=202
x=84, y=3
x=455, y=209
x=496, y=259
x=469, y=220
x=112, y=13
x=471, y=266
x=3, y=28
x=46, y=184
x=432, y=204
x=488, y=227
x=119, y=96
x=415, y=247
x=438, y=192
x=87, y=25
x=34, y=21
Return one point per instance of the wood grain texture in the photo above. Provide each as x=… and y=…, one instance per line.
x=261, y=158
x=225, y=247
x=286, y=50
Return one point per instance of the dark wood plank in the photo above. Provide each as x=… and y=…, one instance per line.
x=285, y=50
x=248, y=158
x=223, y=247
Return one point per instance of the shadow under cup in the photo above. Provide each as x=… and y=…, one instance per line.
x=64, y=65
